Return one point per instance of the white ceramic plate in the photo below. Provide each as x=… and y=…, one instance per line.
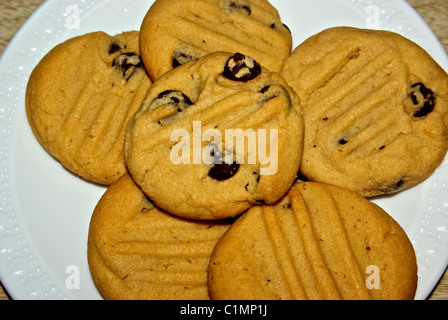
x=45, y=210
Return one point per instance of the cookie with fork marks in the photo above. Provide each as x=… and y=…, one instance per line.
x=138, y=252
x=175, y=32
x=375, y=108
x=80, y=97
x=216, y=136
x=319, y=242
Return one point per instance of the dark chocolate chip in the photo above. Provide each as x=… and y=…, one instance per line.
x=286, y=206
x=223, y=171
x=256, y=174
x=238, y=6
x=394, y=187
x=268, y=94
x=175, y=98
x=114, y=47
x=423, y=98
x=241, y=68
x=126, y=64
x=275, y=26
x=265, y=89
x=398, y=185
x=180, y=58
x=343, y=141
x=272, y=91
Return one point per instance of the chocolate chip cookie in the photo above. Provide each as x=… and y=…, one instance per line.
x=80, y=97
x=216, y=136
x=174, y=32
x=375, y=109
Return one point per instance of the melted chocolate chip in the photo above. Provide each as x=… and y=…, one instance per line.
x=398, y=185
x=238, y=6
x=241, y=68
x=265, y=89
x=223, y=171
x=180, y=58
x=126, y=64
x=115, y=47
x=268, y=94
x=272, y=91
x=423, y=98
x=175, y=98
x=394, y=187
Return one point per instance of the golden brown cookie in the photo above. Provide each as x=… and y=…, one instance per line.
x=80, y=97
x=375, y=107
x=319, y=242
x=214, y=137
x=174, y=32
x=137, y=251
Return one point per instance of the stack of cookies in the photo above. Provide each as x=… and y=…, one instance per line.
x=200, y=124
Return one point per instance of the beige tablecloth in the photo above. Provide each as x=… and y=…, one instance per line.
x=435, y=12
